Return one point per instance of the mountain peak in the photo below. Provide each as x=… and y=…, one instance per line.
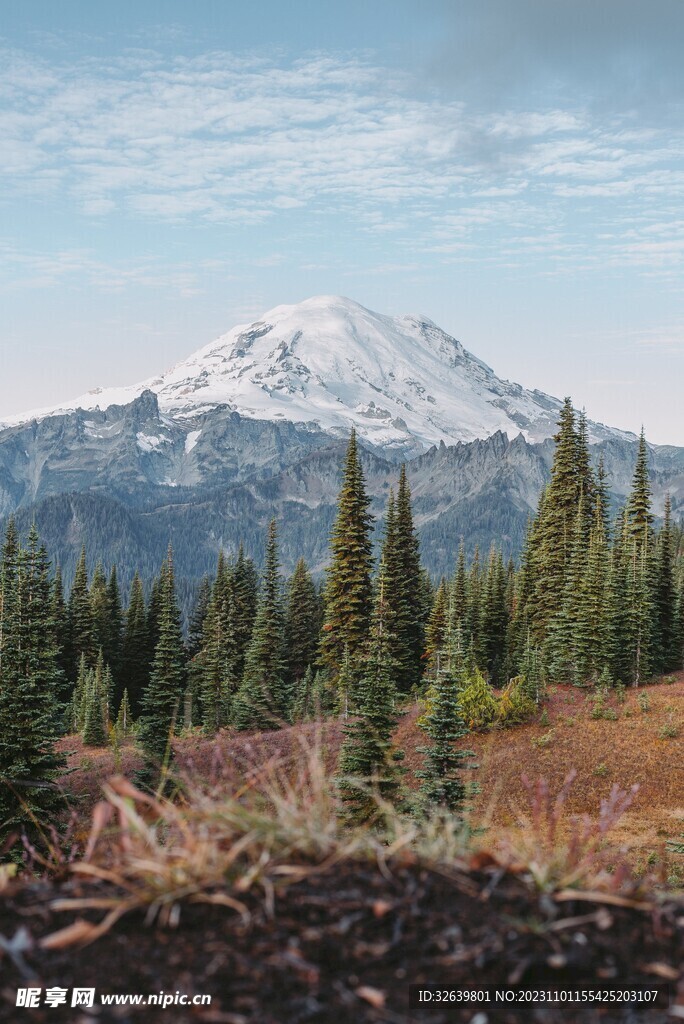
x=403, y=382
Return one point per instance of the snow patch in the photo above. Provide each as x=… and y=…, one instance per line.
x=150, y=443
x=191, y=440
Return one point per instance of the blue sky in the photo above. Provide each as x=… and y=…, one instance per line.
x=515, y=171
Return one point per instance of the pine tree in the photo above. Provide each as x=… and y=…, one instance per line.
x=60, y=631
x=301, y=622
x=666, y=640
x=555, y=529
x=404, y=596
x=244, y=584
x=263, y=701
x=94, y=719
x=445, y=725
x=495, y=617
x=135, y=665
x=197, y=617
x=81, y=624
x=437, y=628
x=638, y=518
x=113, y=638
x=29, y=682
x=368, y=762
x=99, y=607
x=161, y=700
x=348, y=585
x=124, y=719
x=215, y=663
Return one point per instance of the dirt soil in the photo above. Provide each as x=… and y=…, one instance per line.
x=343, y=946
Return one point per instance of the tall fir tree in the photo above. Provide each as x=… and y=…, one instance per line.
x=348, y=585
x=368, y=766
x=263, y=700
x=301, y=623
x=30, y=719
x=135, y=664
x=162, y=698
x=445, y=725
x=81, y=623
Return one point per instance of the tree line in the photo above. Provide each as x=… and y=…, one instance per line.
x=596, y=600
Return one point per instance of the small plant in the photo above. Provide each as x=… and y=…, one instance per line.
x=644, y=702
x=670, y=731
x=669, y=680
x=601, y=708
x=543, y=741
x=544, y=718
x=570, y=720
x=620, y=693
x=601, y=770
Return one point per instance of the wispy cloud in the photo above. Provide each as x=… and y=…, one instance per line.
x=242, y=140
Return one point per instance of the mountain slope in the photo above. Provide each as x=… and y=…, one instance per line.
x=330, y=362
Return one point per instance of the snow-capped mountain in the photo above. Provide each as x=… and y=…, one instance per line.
x=401, y=381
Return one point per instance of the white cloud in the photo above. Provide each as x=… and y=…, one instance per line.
x=242, y=140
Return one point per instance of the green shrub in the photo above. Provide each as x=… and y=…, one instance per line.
x=478, y=702
x=515, y=706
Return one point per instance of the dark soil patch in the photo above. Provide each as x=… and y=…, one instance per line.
x=339, y=942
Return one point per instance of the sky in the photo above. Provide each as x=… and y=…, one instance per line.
x=513, y=171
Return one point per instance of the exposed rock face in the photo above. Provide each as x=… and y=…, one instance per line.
x=255, y=424
x=129, y=479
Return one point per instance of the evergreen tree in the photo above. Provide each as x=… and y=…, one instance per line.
x=124, y=719
x=301, y=622
x=135, y=666
x=94, y=719
x=555, y=529
x=81, y=623
x=368, y=761
x=113, y=638
x=348, y=585
x=667, y=654
x=404, y=597
x=437, y=628
x=216, y=661
x=60, y=631
x=244, y=584
x=29, y=683
x=445, y=725
x=263, y=702
x=161, y=700
x=638, y=518
x=197, y=617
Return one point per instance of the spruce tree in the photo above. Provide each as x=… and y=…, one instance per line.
x=301, y=622
x=368, y=763
x=402, y=564
x=263, y=700
x=29, y=683
x=437, y=628
x=215, y=664
x=667, y=649
x=135, y=665
x=94, y=719
x=444, y=763
x=81, y=623
x=161, y=700
x=113, y=638
x=348, y=585
x=244, y=585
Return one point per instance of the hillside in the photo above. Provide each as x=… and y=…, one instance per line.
x=634, y=748
x=327, y=929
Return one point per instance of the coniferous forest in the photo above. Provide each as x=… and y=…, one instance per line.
x=596, y=601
